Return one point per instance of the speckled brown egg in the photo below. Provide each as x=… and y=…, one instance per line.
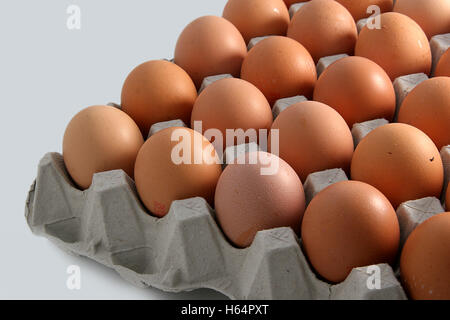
x=280, y=67
x=312, y=137
x=401, y=161
x=232, y=104
x=358, y=88
x=210, y=46
x=348, y=225
x=443, y=66
x=427, y=107
x=157, y=91
x=248, y=201
x=255, y=18
x=399, y=46
x=175, y=164
x=433, y=16
x=425, y=260
x=324, y=28
x=358, y=9
x=98, y=139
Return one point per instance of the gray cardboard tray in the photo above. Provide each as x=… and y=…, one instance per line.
x=183, y=251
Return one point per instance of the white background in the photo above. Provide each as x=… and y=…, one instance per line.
x=48, y=74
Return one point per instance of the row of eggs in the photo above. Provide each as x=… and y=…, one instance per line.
x=349, y=224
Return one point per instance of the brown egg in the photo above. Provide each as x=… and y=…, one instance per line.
x=425, y=260
x=175, y=164
x=401, y=161
x=280, y=67
x=289, y=3
x=324, y=28
x=358, y=9
x=427, y=107
x=254, y=18
x=443, y=66
x=358, y=89
x=432, y=16
x=210, y=46
x=247, y=201
x=312, y=137
x=348, y=225
x=400, y=46
x=98, y=139
x=157, y=91
x=232, y=104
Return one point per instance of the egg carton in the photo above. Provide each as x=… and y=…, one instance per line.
x=403, y=86
x=282, y=104
x=412, y=213
x=439, y=45
x=186, y=249
x=254, y=41
x=211, y=79
x=162, y=125
x=294, y=8
x=360, y=24
x=325, y=62
x=361, y=130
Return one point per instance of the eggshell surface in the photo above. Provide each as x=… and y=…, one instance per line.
x=401, y=161
x=157, y=91
x=232, y=104
x=175, y=164
x=399, y=46
x=210, y=46
x=349, y=224
x=358, y=9
x=427, y=108
x=312, y=137
x=324, y=28
x=98, y=139
x=247, y=201
x=280, y=67
x=425, y=260
x=255, y=18
x=433, y=16
x=358, y=89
